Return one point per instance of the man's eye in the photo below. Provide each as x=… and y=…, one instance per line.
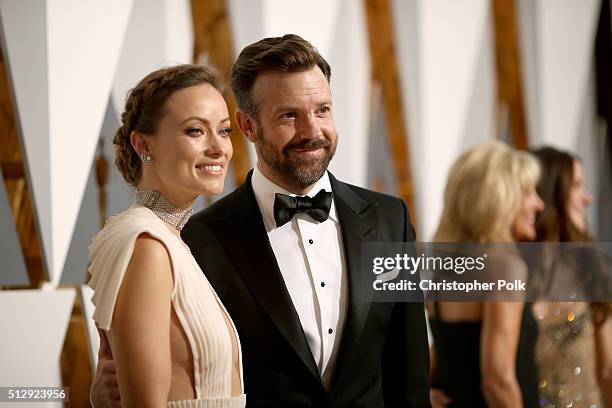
x=324, y=109
x=288, y=115
x=195, y=132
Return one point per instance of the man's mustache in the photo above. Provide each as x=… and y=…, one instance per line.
x=309, y=145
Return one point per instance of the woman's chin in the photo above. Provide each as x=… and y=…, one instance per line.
x=579, y=222
x=525, y=234
x=211, y=190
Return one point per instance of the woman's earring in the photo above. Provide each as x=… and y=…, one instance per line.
x=146, y=158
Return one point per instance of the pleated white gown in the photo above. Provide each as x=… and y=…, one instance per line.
x=199, y=310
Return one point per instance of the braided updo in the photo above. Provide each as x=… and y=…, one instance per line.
x=143, y=110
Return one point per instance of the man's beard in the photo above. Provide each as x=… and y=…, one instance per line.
x=293, y=169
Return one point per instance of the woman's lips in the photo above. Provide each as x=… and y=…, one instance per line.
x=214, y=169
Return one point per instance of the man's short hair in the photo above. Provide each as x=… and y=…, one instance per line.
x=289, y=53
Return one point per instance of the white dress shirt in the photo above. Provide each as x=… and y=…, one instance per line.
x=310, y=256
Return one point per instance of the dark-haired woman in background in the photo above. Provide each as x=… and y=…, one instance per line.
x=172, y=340
x=574, y=349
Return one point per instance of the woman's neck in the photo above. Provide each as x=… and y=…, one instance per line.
x=179, y=200
x=167, y=211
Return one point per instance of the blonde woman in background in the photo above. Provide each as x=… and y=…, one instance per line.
x=483, y=352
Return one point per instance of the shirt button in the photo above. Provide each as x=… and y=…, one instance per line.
x=310, y=241
x=322, y=284
x=330, y=331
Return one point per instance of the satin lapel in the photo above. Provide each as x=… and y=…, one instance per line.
x=358, y=220
x=245, y=236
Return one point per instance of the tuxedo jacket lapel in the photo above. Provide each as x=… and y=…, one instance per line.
x=244, y=231
x=358, y=220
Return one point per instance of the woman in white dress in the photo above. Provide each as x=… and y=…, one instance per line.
x=172, y=340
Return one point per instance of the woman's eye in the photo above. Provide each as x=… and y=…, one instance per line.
x=195, y=132
x=324, y=109
x=226, y=132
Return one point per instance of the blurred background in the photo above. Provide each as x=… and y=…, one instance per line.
x=414, y=82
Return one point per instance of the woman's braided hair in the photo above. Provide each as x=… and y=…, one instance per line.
x=143, y=109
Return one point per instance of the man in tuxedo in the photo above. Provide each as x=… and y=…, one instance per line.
x=283, y=252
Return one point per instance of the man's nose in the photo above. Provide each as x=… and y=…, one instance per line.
x=309, y=127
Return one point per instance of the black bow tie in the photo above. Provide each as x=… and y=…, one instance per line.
x=285, y=207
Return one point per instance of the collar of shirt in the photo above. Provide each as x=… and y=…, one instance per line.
x=265, y=191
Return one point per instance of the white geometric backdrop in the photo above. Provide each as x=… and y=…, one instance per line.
x=34, y=324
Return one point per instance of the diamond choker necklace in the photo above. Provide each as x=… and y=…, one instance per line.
x=156, y=202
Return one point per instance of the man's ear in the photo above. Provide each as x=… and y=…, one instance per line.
x=247, y=125
x=140, y=143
